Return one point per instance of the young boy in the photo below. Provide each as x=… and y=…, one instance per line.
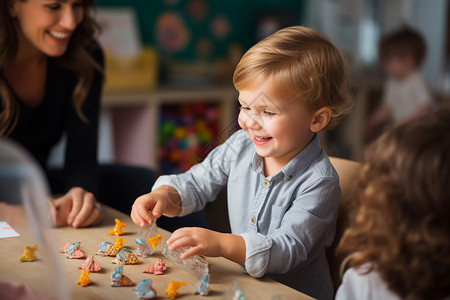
x=283, y=192
x=405, y=94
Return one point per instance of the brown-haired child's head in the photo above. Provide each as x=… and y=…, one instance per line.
x=303, y=65
x=401, y=222
x=404, y=46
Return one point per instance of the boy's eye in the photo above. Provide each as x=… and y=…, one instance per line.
x=269, y=113
x=244, y=108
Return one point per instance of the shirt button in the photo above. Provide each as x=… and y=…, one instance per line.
x=266, y=182
x=252, y=219
x=288, y=177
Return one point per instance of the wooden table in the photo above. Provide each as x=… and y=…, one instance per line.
x=37, y=274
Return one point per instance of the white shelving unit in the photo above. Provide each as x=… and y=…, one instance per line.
x=134, y=118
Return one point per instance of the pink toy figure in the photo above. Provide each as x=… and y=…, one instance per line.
x=158, y=268
x=90, y=265
x=29, y=253
x=84, y=278
x=117, y=230
x=72, y=250
x=171, y=291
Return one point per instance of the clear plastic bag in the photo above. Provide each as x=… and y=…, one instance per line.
x=193, y=264
x=147, y=239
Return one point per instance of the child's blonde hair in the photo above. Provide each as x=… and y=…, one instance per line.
x=304, y=65
x=400, y=223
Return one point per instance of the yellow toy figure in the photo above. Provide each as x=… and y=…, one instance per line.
x=154, y=241
x=117, y=230
x=28, y=253
x=119, y=243
x=171, y=291
x=84, y=278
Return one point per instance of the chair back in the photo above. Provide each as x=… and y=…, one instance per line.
x=348, y=172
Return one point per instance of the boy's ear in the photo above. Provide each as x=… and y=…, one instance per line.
x=321, y=118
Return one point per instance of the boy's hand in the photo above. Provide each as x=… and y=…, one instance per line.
x=202, y=241
x=145, y=203
x=209, y=243
x=162, y=200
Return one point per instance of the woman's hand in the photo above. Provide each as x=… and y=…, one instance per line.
x=77, y=208
x=209, y=243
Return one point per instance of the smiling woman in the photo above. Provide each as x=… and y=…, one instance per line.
x=46, y=26
x=50, y=85
x=51, y=75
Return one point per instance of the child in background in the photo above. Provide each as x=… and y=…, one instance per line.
x=405, y=94
x=399, y=234
x=283, y=192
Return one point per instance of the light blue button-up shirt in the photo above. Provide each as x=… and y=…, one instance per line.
x=287, y=220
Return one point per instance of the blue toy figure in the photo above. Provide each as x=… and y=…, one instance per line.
x=203, y=286
x=144, y=289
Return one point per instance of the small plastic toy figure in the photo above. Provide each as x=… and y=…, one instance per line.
x=118, y=279
x=84, y=278
x=107, y=248
x=203, y=286
x=143, y=249
x=90, y=265
x=125, y=257
x=117, y=230
x=29, y=253
x=147, y=239
x=234, y=292
x=153, y=242
x=193, y=264
x=72, y=250
x=119, y=243
x=158, y=268
x=144, y=289
x=171, y=291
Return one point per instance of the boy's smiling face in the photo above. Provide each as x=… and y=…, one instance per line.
x=279, y=128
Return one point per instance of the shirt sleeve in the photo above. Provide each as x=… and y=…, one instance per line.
x=203, y=182
x=81, y=164
x=306, y=229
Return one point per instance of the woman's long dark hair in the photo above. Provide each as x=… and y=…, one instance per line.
x=77, y=58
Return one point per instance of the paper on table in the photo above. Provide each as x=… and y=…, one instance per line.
x=7, y=231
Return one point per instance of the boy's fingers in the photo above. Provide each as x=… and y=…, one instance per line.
x=180, y=241
x=191, y=252
x=158, y=210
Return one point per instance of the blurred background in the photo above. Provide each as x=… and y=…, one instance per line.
x=169, y=99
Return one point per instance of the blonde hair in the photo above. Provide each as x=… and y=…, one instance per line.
x=400, y=223
x=304, y=64
x=77, y=58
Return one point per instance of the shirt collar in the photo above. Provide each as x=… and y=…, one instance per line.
x=297, y=164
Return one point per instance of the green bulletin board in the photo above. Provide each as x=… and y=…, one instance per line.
x=237, y=22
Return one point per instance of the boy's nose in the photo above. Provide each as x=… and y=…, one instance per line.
x=253, y=121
